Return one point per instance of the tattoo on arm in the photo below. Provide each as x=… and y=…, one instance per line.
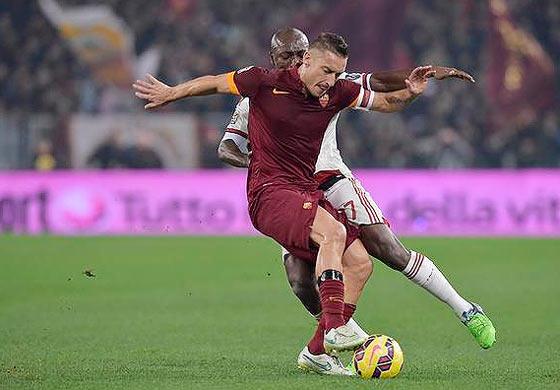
x=392, y=99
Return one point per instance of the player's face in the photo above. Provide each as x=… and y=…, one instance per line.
x=286, y=59
x=320, y=70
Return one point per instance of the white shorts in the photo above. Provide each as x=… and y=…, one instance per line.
x=349, y=195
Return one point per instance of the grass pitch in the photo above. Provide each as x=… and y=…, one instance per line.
x=200, y=313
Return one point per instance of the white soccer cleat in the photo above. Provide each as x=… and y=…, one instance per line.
x=343, y=338
x=321, y=364
x=357, y=328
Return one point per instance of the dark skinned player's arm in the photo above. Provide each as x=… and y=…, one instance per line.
x=394, y=101
x=229, y=153
x=393, y=80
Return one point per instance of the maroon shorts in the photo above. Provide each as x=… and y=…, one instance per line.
x=287, y=215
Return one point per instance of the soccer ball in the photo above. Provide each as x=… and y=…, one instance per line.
x=379, y=357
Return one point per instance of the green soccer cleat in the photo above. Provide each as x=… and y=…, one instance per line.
x=350, y=366
x=480, y=326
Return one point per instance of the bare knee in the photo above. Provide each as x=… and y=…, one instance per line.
x=334, y=234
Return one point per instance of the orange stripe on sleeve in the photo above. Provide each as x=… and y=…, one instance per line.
x=231, y=84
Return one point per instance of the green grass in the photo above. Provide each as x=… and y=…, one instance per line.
x=217, y=313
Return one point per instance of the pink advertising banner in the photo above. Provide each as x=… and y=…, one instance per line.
x=442, y=203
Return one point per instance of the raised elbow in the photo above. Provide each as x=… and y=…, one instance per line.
x=222, y=152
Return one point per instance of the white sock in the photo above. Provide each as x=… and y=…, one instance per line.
x=422, y=271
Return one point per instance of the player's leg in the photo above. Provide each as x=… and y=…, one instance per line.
x=331, y=332
x=330, y=235
x=357, y=270
x=301, y=276
x=382, y=243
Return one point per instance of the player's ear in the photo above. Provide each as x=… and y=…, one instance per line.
x=306, y=58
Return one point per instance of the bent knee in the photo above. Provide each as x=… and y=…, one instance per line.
x=364, y=269
x=336, y=233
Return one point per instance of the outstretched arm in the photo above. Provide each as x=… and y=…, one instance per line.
x=158, y=94
x=415, y=84
x=394, y=80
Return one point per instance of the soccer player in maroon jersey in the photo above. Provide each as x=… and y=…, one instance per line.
x=341, y=189
x=289, y=113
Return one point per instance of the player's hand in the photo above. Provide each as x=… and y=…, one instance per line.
x=154, y=91
x=417, y=82
x=443, y=72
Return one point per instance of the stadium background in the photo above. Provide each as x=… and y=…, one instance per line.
x=79, y=156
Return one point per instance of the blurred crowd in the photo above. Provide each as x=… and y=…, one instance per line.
x=447, y=128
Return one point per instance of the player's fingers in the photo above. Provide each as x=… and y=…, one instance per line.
x=153, y=79
x=468, y=77
x=141, y=88
x=429, y=74
x=143, y=95
x=420, y=71
x=415, y=72
x=143, y=83
x=151, y=105
x=423, y=69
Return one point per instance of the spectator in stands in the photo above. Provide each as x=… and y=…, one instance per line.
x=43, y=158
x=39, y=73
x=142, y=155
x=109, y=154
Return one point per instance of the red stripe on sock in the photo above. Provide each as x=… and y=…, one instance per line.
x=417, y=268
x=414, y=264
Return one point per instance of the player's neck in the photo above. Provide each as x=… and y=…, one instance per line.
x=300, y=73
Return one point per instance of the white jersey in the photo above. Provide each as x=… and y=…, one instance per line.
x=329, y=157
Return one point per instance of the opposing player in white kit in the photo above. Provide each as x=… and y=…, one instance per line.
x=346, y=193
